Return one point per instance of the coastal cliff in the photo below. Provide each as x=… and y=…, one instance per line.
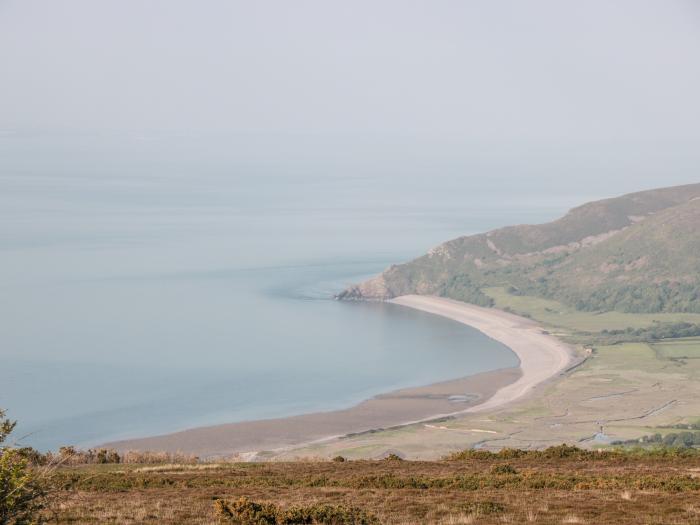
x=639, y=253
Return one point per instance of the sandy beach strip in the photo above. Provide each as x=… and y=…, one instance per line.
x=541, y=355
x=388, y=410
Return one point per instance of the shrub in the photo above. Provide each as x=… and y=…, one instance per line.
x=555, y=452
x=21, y=495
x=504, y=468
x=511, y=453
x=327, y=514
x=247, y=512
x=339, y=459
x=566, y=451
x=71, y=456
x=33, y=456
x=156, y=458
x=462, y=288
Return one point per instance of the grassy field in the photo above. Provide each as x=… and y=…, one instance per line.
x=596, y=489
x=558, y=315
x=622, y=392
x=687, y=348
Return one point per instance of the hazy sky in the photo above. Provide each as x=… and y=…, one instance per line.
x=597, y=83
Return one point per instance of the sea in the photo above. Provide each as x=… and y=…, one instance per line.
x=148, y=285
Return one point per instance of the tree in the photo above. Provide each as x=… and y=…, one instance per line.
x=21, y=494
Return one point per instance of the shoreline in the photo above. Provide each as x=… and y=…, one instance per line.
x=541, y=357
x=253, y=438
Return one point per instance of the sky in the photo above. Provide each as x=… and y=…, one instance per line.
x=536, y=90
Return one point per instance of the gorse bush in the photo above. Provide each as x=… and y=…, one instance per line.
x=21, y=495
x=247, y=512
x=504, y=468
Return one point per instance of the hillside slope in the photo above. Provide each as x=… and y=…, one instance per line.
x=637, y=253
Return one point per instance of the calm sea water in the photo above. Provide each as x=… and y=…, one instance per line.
x=143, y=293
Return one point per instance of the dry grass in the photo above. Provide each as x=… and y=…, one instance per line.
x=626, y=495
x=175, y=467
x=572, y=519
x=608, y=491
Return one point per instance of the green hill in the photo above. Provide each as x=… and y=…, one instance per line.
x=635, y=253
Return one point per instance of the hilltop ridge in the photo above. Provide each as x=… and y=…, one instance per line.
x=636, y=253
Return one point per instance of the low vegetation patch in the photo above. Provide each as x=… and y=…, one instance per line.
x=652, y=334
x=504, y=468
x=484, y=508
x=677, y=440
x=556, y=452
x=247, y=512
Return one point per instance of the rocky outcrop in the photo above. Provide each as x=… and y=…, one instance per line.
x=375, y=289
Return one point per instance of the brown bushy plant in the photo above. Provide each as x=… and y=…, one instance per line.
x=503, y=468
x=247, y=512
x=556, y=452
x=69, y=455
x=157, y=458
x=101, y=456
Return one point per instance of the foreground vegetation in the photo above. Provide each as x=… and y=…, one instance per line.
x=560, y=484
x=648, y=483
x=556, y=485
